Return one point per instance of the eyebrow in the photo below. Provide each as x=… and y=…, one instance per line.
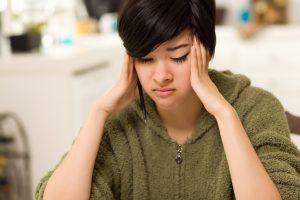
x=177, y=47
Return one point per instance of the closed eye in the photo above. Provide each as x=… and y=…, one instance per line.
x=177, y=60
x=181, y=59
x=144, y=60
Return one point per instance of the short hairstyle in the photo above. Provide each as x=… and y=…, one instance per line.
x=145, y=24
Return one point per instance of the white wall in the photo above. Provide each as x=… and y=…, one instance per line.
x=293, y=10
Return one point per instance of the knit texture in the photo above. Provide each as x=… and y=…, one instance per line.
x=136, y=159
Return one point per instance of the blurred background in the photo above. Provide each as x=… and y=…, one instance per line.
x=57, y=57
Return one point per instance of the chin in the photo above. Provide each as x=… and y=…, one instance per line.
x=166, y=103
x=172, y=102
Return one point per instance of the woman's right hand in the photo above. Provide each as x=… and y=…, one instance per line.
x=123, y=91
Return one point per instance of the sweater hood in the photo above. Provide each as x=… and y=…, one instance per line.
x=230, y=85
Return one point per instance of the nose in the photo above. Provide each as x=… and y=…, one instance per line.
x=162, y=75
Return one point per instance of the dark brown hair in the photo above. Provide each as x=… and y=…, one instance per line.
x=145, y=24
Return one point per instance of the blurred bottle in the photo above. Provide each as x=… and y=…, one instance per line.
x=245, y=15
x=108, y=23
x=84, y=23
x=61, y=23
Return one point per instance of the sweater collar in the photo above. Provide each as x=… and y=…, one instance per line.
x=230, y=86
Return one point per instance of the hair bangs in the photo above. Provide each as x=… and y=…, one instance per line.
x=152, y=25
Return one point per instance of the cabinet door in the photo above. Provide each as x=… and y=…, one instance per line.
x=87, y=87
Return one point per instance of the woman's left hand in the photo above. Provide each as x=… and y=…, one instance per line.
x=206, y=90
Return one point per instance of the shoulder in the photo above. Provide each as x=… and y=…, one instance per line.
x=261, y=111
x=238, y=91
x=255, y=97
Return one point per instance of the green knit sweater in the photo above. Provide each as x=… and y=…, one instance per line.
x=137, y=159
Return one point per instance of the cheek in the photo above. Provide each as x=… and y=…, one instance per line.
x=183, y=76
x=143, y=74
x=185, y=71
x=188, y=67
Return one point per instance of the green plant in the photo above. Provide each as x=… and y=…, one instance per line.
x=35, y=28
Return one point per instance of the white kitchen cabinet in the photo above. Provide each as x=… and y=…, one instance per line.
x=52, y=92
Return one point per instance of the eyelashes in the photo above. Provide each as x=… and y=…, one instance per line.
x=177, y=60
x=181, y=59
x=144, y=61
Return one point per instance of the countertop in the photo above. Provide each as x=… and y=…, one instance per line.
x=87, y=51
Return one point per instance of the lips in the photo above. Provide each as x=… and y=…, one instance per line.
x=164, y=89
x=164, y=92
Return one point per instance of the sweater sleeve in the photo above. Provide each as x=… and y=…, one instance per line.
x=105, y=179
x=106, y=175
x=267, y=127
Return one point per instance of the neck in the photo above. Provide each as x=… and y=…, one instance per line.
x=184, y=116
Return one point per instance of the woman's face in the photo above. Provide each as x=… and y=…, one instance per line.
x=165, y=72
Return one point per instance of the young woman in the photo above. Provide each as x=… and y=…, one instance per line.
x=200, y=134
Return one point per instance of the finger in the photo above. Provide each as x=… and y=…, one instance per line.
x=134, y=75
x=125, y=67
x=198, y=55
x=203, y=57
x=130, y=68
x=201, y=54
x=194, y=64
